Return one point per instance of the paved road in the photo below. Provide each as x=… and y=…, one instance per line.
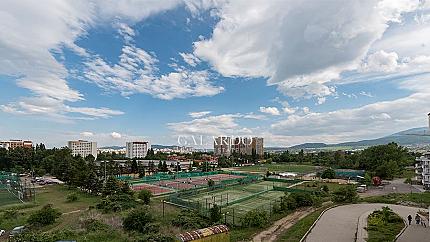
x=395, y=186
x=340, y=224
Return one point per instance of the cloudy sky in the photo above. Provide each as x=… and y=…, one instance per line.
x=289, y=71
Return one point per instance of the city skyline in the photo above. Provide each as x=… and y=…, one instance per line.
x=156, y=70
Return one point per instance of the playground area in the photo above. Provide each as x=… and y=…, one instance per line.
x=163, y=183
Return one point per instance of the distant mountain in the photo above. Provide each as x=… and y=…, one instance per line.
x=413, y=136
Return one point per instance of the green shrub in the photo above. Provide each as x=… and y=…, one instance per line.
x=45, y=216
x=328, y=174
x=255, y=218
x=189, y=219
x=145, y=196
x=215, y=213
x=72, y=197
x=116, y=203
x=346, y=194
x=140, y=220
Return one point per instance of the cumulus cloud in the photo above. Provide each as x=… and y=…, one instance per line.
x=297, y=45
x=190, y=59
x=270, y=110
x=380, y=61
x=31, y=34
x=115, y=135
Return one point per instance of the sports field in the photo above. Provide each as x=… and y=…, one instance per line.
x=183, y=183
x=7, y=198
x=279, y=167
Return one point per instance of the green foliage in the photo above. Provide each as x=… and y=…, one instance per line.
x=45, y=216
x=346, y=194
x=189, y=219
x=156, y=237
x=145, y=196
x=383, y=225
x=116, y=203
x=140, y=220
x=328, y=174
x=325, y=188
x=255, y=219
x=72, y=197
x=215, y=213
x=211, y=183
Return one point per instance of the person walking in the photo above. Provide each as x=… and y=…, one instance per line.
x=423, y=222
x=410, y=219
x=417, y=219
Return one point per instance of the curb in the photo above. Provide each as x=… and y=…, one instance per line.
x=401, y=232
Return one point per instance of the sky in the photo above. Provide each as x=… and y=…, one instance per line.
x=165, y=71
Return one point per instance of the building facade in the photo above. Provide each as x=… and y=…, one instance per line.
x=83, y=148
x=225, y=146
x=136, y=149
x=14, y=143
x=422, y=170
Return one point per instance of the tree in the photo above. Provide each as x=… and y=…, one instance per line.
x=164, y=167
x=345, y=194
x=325, y=188
x=139, y=220
x=111, y=186
x=328, y=174
x=145, y=196
x=45, y=216
x=255, y=218
x=215, y=213
x=160, y=166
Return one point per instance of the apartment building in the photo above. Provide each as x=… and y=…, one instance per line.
x=422, y=170
x=14, y=143
x=83, y=148
x=225, y=146
x=136, y=149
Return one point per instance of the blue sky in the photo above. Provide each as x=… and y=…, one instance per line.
x=291, y=72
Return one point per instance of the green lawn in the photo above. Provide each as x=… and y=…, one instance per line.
x=298, y=230
x=314, y=186
x=382, y=227
x=280, y=167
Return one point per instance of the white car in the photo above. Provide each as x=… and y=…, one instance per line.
x=2, y=232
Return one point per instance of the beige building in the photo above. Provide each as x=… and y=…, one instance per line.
x=83, y=148
x=225, y=146
x=14, y=143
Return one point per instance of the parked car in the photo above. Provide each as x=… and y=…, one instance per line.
x=2, y=232
x=16, y=231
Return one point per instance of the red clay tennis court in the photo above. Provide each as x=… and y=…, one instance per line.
x=155, y=190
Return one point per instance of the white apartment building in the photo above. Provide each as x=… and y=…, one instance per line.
x=422, y=169
x=83, y=148
x=136, y=149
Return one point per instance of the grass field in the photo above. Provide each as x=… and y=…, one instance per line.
x=263, y=168
x=314, y=186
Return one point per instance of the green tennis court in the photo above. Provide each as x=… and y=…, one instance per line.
x=7, y=198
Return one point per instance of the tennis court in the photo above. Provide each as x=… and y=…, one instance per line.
x=263, y=201
x=7, y=198
x=155, y=190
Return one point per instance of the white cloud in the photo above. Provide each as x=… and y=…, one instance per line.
x=190, y=59
x=380, y=61
x=298, y=45
x=199, y=114
x=270, y=110
x=115, y=135
x=31, y=33
x=87, y=134
x=136, y=72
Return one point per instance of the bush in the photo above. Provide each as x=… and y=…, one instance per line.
x=325, y=188
x=145, y=196
x=215, y=213
x=156, y=237
x=255, y=218
x=116, y=203
x=140, y=220
x=328, y=174
x=345, y=194
x=189, y=219
x=45, y=216
x=72, y=197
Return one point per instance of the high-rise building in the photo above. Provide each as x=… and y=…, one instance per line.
x=225, y=146
x=83, y=148
x=14, y=143
x=136, y=149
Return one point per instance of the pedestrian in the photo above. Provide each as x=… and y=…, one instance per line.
x=417, y=219
x=410, y=219
x=423, y=223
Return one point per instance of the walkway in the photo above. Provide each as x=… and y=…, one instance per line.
x=340, y=224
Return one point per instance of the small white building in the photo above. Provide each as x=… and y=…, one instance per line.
x=83, y=148
x=136, y=149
